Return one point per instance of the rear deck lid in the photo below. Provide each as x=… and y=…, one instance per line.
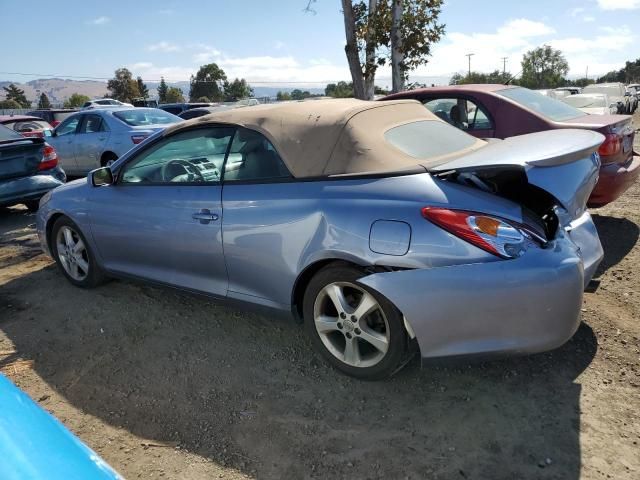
x=19, y=156
x=563, y=162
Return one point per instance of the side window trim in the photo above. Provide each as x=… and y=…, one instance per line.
x=71, y=119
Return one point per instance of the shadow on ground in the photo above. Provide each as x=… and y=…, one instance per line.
x=247, y=392
x=618, y=236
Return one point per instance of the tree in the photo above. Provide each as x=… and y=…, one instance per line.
x=378, y=32
x=281, y=96
x=76, y=100
x=162, y=91
x=142, y=88
x=44, y=102
x=9, y=104
x=339, y=90
x=237, y=90
x=207, y=83
x=174, y=95
x=630, y=73
x=122, y=86
x=543, y=67
x=16, y=94
x=477, y=77
x=203, y=100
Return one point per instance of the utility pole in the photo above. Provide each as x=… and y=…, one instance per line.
x=586, y=74
x=504, y=65
x=469, y=55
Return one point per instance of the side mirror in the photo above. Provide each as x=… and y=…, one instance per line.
x=101, y=176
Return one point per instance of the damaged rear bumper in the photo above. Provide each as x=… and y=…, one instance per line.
x=525, y=305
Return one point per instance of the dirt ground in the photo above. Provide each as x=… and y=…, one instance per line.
x=167, y=385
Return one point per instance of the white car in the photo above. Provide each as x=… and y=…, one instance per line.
x=104, y=102
x=96, y=138
x=615, y=91
x=592, y=103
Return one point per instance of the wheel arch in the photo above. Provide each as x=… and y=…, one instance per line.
x=49, y=227
x=107, y=154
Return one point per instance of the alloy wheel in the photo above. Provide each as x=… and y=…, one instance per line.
x=351, y=324
x=72, y=253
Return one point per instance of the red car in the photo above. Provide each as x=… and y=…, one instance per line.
x=501, y=111
x=27, y=125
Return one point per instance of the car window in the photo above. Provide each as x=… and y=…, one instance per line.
x=172, y=110
x=461, y=113
x=253, y=157
x=145, y=116
x=28, y=125
x=192, y=156
x=428, y=139
x=86, y=104
x=68, y=126
x=7, y=134
x=60, y=116
x=193, y=113
x=545, y=106
x=92, y=124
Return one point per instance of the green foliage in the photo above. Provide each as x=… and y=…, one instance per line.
x=203, y=100
x=237, y=90
x=477, y=77
x=281, y=96
x=142, y=88
x=9, y=104
x=43, y=101
x=162, y=91
x=174, y=95
x=122, y=86
x=380, y=91
x=207, y=83
x=298, y=94
x=16, y=94
x=579, y=82
x=630, y=73
x=419, y=30
x=76, y=100
x=339, y=90
x=543, y=67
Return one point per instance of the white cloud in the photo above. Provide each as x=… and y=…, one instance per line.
x=619, y=4
x=163, y=47
x=99, y=21
x=205, y=54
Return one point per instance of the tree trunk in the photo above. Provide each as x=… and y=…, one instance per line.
x=397, y=56
x=351, y=50
x=370, y=52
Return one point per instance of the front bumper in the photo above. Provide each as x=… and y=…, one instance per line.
x=525, y=305
x=614, y=180
x=22, y=189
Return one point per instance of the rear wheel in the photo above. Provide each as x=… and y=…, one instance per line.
x=74, y=256
x=357, y=330
x=109, y=159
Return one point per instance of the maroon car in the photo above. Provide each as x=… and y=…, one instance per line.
x=501, y=111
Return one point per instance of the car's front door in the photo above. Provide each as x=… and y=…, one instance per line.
x=64, y=141
x=162, y=218
x=463, y=113
x=90, y=141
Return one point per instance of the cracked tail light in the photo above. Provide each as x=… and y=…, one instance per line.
x=492, y=234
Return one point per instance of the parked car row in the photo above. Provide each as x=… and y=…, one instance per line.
x=618, y=97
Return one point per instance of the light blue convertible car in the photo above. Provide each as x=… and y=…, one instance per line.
x=36, y=446
x=385, y=229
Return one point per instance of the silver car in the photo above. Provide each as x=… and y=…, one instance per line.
x=383, y=228
x=93, y=138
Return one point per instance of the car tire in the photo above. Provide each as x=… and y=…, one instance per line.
x=74, y=256
x=32, y=205
x=108, y=159
x=343, y=337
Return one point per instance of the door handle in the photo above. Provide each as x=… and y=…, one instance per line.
x=204, y=216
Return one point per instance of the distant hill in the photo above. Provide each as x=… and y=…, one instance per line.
x=57, y=89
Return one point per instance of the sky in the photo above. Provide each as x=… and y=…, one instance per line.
x=274, y=42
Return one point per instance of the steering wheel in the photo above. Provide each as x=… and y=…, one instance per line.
x=179, y=168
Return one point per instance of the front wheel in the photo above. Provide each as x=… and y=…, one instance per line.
x=73, y=255
x=356, y=329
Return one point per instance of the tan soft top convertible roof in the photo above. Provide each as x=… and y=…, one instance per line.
x=330, y=137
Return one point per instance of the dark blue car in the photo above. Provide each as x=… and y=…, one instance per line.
x=28, y=169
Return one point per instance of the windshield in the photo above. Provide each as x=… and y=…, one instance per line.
x=545, y=106
x=585, y=101
x=443, y=139
x=6, y=134
x=146, y=116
